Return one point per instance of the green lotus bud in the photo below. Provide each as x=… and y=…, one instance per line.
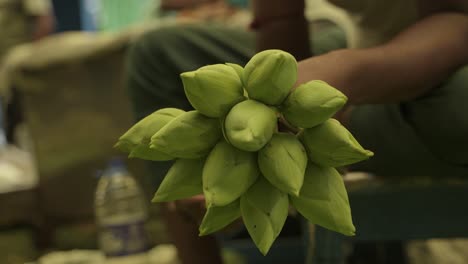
x=183, y=180
x=136, y=140
x=239, y=70
x=323, y=200
x=269, y=76
x=228, y=173
x=191, y=135
x=283, y=161
x=264, y=210
x=331, y=144
x=213, y=89
x=218, y=217
x=249, y=125
x=312, y=103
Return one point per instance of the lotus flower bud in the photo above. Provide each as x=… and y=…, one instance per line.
x=183, y=180
x=264, y=209
x=145, y=152
x=191, y=135
x=312, y=103
x=218, y=217
x=283, y=162
x=136, y=140
x=323, y=200
x=213, y=89
x=239, y=70
x=249, y=125
x=269, y=76
x=331, y=144
x=228, y=173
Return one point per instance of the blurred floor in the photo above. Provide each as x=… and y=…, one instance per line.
x=17, y=246
x=438, y=251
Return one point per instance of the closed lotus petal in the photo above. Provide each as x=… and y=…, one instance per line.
x=239, y=70
x=323, y=200
x=143, y=151
x=312, y=103
x=283, y=162
x=250, y=125
x=136, y=140
x=190, y=136
x=270, y=75
x=183, y=180
x=213, y=89
x=264, y=210
x=228, y=173
x=331, y=144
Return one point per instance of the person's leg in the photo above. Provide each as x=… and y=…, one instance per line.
x=440, y=119
x=424, y=137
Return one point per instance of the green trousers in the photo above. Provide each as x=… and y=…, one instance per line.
x=425, y=137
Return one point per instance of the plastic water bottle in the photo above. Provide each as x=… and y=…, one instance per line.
x=121, y=213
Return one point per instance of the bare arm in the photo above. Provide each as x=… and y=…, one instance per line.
x=282, y=25
x=410, y=65
x=45, y=25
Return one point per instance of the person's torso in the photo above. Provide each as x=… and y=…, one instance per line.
x=374, y=21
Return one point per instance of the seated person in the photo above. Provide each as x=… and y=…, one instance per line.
x=21, y=21
x=405, y=77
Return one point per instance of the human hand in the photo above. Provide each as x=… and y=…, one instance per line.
x=44, y=26
x=192, y=208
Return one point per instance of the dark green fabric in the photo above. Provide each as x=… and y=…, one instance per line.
x=425, y=137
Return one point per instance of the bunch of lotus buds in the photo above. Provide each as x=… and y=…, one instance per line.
x=253, y=147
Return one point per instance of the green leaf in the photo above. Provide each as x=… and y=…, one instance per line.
x=323, y=200
x=228, y=173
x=264, y=210
x=218, y=217
x=283, y=162
x=183, y=180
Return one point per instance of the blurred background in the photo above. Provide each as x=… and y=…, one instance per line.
x=64, y=105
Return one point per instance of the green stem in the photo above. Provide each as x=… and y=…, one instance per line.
x=288, y=126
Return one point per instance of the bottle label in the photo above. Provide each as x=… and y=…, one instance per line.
x=124, y=239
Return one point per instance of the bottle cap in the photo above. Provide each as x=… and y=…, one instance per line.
x=116, y=164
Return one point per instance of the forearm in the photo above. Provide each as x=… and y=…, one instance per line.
x=414, y=62
x=183, y=231
x=282, y=25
